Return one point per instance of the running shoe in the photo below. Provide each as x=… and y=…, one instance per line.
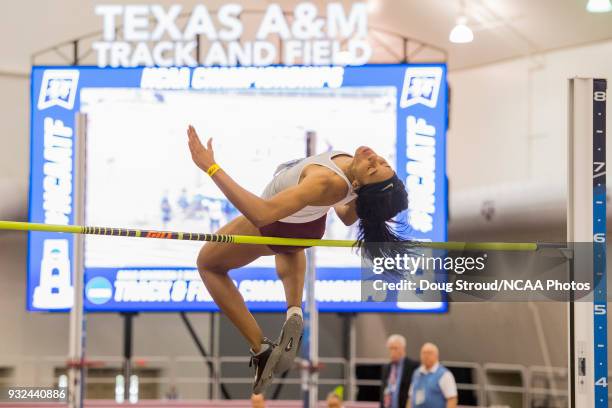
x=264, y=364
x=289, y=342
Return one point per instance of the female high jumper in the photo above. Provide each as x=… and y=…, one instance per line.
x=294, y=204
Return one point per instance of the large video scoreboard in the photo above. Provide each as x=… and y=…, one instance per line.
x=140, y=175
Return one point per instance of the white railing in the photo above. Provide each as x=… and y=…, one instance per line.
x=529, y=382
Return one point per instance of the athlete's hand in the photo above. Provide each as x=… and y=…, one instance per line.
x=203, y=157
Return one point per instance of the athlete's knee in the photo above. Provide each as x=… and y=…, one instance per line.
x=290, y=264
x=208, y=263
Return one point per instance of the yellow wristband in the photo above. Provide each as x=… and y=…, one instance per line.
x=213, y=169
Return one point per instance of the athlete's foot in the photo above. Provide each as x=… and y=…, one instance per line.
x=264, y=363
x=289, y=342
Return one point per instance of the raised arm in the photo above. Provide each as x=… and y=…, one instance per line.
x=256, y=209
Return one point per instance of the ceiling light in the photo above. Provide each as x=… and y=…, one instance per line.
x=599, y=6
x=461, y=33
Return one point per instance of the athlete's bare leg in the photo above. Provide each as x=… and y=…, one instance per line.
x=216, y=260
x=291, y=269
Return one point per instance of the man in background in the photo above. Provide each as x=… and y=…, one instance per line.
x=397, y=374
x=433, y=385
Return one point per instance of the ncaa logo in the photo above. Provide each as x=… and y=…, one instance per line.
x=58, y=88
x=98, y=290
x=421, y=85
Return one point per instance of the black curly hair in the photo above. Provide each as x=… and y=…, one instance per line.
x=376, y=205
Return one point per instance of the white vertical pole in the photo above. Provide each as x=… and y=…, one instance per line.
x=310, y=338
x=312, y=327
x=215, y=340
x=352, y=355
x=76, y=350
x=586, y=223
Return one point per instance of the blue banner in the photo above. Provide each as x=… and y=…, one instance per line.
x=415, y=95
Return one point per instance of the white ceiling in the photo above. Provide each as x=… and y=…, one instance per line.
x=503, y=28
